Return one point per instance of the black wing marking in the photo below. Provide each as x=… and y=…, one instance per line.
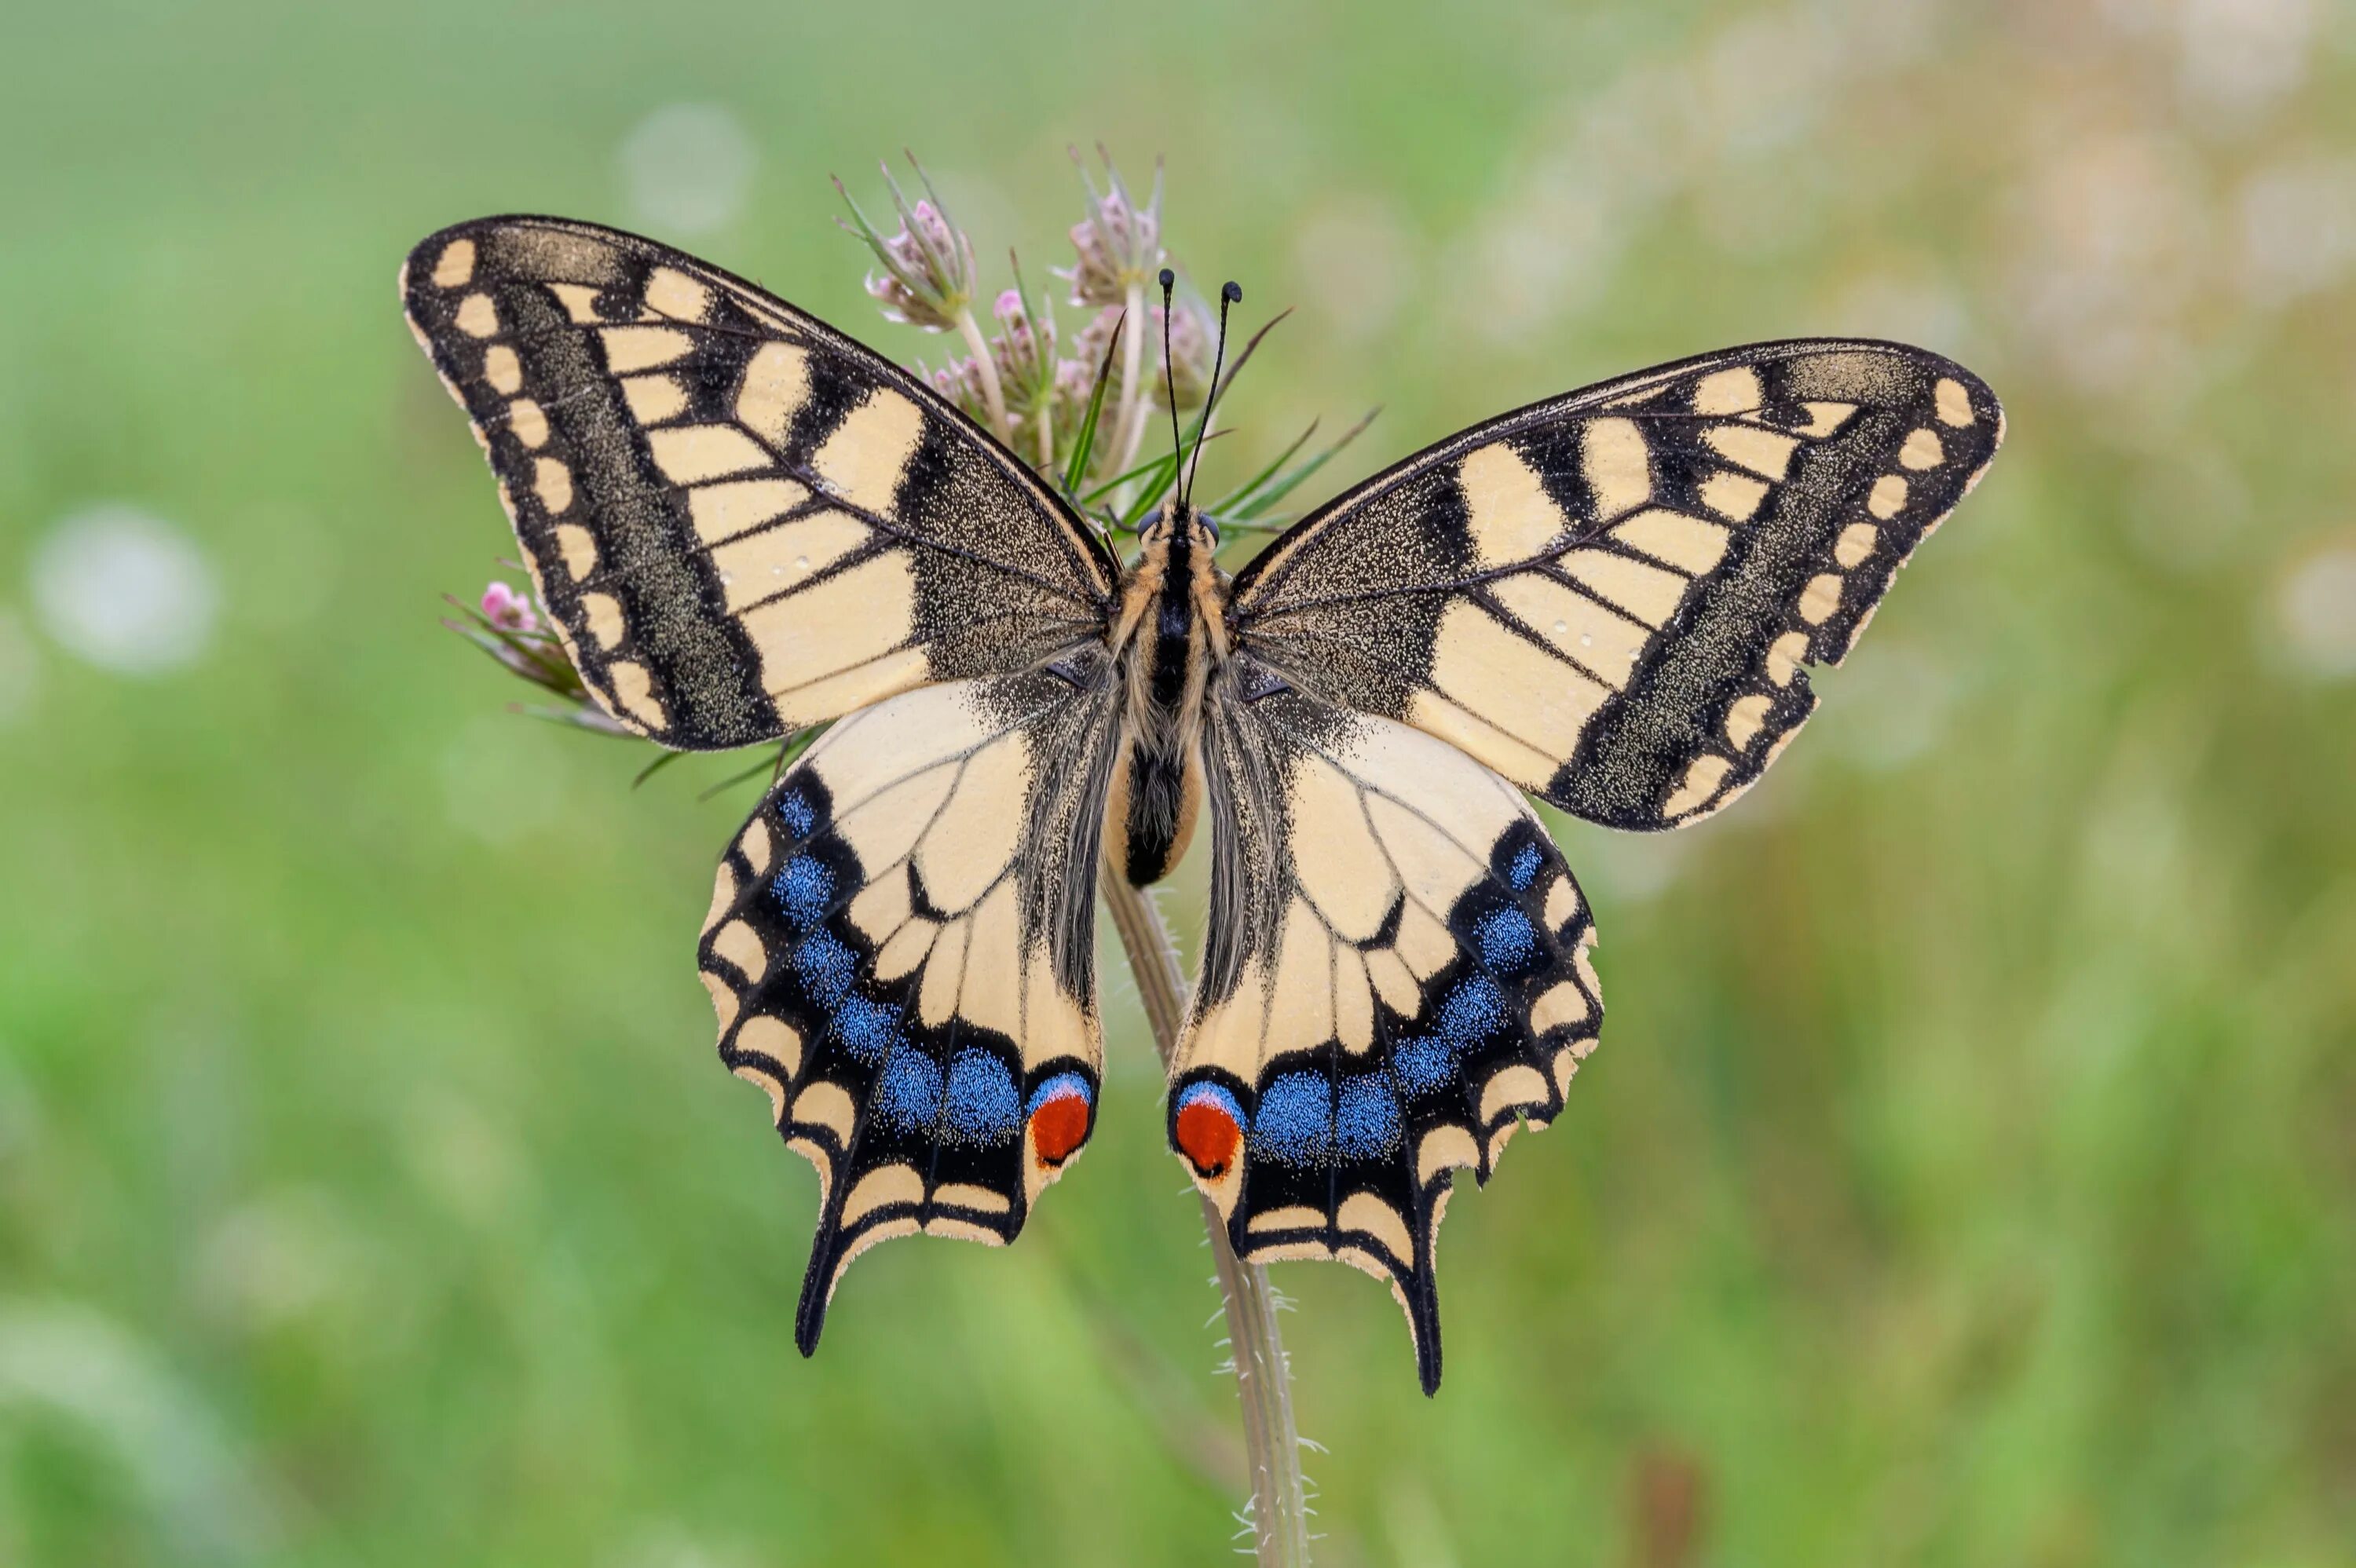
x=742, y=521
x=1608, y=597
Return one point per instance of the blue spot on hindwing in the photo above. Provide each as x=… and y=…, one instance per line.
x=794, y=811
x=1295, y=1123
x=1424, y=1065
x=1507, y=939
x=1473, y=1010
x=983, y=1106
x=908, y=1092
x=868, y=1029
x=1525, y=869
x=826, y=967
x=802, y=889
x=1365, y=1118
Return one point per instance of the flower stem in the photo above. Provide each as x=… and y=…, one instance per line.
x=1129, y=427
x=990, y=394
x=1279, y=1513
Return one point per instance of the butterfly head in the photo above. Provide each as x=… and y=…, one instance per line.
x=1178, y=520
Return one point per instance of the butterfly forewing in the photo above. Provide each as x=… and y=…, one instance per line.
x=742, y=521
x=900, y=952
x=1395, y=977
x=1610, y=597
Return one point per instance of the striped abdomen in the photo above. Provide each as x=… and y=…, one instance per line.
x=1157, y=786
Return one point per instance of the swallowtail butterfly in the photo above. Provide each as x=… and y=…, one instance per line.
x=744, y=523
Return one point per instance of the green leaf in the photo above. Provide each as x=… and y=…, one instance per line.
x=1284, y=487
x=787, y=752
x=1118, y=480
x=657, y=765
x=1233, y=499
x=1085, y=445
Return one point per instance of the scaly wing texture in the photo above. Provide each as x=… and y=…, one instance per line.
x=1608, y=597
x=742, y=520
x=900, y=949
x=1395, y=979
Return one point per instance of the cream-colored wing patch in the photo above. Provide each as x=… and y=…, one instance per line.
x=1392, y=985
x=1608, y=598
x=741, y=521
x=899, y=952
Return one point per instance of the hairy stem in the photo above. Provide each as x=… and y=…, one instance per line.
x=990, y=394
x=1128, y=425
x=1279, y=1513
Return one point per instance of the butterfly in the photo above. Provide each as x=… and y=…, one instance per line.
x=745, y=524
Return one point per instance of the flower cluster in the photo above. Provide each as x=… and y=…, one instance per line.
x=1077, y=406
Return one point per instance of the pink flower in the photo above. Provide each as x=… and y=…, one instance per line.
x=508, y=610
x=928, y=268
x=1119, y=243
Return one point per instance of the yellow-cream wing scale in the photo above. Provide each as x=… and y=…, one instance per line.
x=1610, y=597
x=901, y=950
x=1394, y=976
x=742, y=521
x=1607, y=599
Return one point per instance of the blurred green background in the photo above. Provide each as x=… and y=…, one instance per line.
x=1967, y=1176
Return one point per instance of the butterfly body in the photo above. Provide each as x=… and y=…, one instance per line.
x=1170, y=639
x=742, y=522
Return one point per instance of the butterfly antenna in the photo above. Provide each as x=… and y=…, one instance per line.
x=1170, y=379
x=1230, y=293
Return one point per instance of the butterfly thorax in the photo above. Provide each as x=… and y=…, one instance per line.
x=1169, y=633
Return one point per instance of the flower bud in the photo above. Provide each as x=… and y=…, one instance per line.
x=508, y=610
x=959, y=381
x=1024, y=353
x=1119, y=243
x=929, y=272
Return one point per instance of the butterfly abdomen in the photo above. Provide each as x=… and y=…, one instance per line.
x=1157, y=786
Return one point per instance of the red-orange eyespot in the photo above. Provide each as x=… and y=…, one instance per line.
x=1059, y=1117
x=1208, y=1128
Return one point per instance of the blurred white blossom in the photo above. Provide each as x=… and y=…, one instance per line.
x=124, y=589
x=2315, y=610
x=686, y=169
x=2298, y=227
x=2241, y=55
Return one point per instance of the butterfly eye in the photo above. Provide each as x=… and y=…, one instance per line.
x=1210, y=526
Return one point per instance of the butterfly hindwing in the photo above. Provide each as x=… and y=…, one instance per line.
x=1610, y=597
x=900, y=950
x=741, y=521
x=1394, y=979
